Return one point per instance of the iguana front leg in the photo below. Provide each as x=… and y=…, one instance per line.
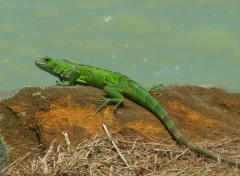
x=72, y=80
x=115, y=96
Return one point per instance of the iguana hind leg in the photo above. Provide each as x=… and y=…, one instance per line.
x=115, y=96
x=155, y=89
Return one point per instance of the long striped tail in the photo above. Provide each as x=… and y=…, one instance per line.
x=161, y=113
x=153, y=105
x=144, y=98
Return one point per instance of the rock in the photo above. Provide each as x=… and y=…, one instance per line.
x=39, y=115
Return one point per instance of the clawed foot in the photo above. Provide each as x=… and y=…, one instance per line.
x=104, y=103
x=156, y=89
x=116, y=101
x=63, y=83
x=58, y=83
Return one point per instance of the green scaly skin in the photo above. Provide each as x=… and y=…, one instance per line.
x=118, y=86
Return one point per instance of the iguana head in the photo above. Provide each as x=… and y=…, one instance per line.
x=56, y=67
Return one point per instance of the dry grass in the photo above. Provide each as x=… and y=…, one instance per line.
x=99, y=156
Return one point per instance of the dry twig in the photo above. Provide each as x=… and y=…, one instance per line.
x=115, y=146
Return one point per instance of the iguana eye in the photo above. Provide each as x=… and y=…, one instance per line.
x=47, y=59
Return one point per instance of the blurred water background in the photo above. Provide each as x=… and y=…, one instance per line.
x=153, y=41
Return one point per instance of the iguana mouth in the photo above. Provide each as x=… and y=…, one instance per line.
x=42, y=65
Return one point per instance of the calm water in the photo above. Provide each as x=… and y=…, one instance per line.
x=169, y=42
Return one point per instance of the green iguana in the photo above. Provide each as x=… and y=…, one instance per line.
x=118, y=86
